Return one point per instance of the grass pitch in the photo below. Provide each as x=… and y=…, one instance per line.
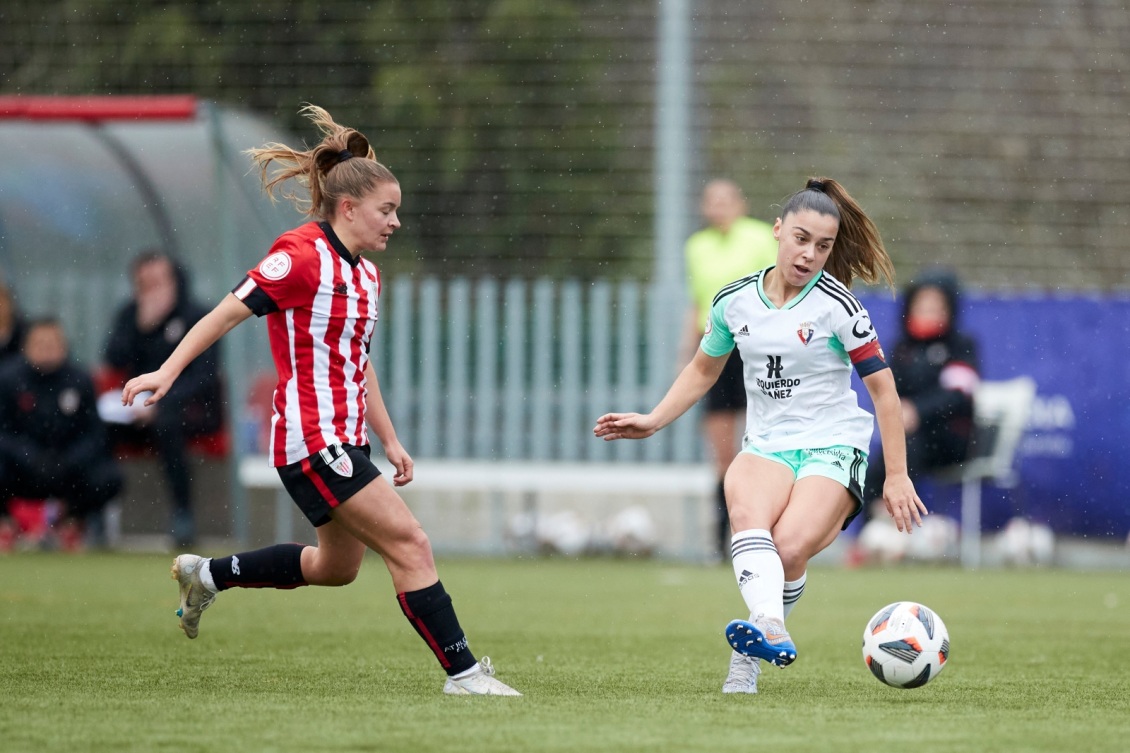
x=612, y=656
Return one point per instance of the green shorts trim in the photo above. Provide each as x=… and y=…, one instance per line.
x=846, y=465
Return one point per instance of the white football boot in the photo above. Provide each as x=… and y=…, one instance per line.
x=194, y=595
x=744, y=671
x=479, y=682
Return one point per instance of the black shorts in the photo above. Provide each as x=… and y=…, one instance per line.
x=728, y=393
x=324, y=480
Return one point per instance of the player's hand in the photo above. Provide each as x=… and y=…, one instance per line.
x=625, y=426
x=902, y=502
x=156, y=382
x=402, y=462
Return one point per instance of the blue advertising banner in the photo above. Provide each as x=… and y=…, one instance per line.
x=1071, y=475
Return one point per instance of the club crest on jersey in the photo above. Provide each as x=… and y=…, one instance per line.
x=807, y=329
x=338, y=460
x=276, y=266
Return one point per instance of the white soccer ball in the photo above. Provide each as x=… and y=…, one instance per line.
x=905, y=645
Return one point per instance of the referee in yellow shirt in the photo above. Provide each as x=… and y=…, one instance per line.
x=731, y=247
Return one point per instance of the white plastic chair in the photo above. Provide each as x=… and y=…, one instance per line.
x=1000, y=413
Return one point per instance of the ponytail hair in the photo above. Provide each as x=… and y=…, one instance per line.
x=342, y=164
x=858, y=250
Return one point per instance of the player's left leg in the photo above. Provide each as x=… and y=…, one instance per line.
x=379, y=517
x=813, y=518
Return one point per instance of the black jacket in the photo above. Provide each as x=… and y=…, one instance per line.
x=135, y=352
x=917, y=366
x=49, y=422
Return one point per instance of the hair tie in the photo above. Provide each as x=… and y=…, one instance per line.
x=343, y=155
x=815, y=185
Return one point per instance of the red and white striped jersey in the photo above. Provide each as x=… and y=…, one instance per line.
x=321, y=308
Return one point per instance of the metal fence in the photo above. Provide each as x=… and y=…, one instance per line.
x=469, y=369
x=516, y=369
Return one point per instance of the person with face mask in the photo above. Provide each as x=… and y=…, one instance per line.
x=936, y=371
x=52, y=442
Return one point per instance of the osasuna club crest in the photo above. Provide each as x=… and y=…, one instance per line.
x=807, y=329
x=337, y=459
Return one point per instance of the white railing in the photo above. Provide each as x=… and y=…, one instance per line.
x=470, y=369
x=508, y=370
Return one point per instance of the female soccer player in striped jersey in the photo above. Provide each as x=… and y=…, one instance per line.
x=798, y=480
x=320, y=299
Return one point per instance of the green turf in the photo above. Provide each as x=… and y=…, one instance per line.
x=612, y=656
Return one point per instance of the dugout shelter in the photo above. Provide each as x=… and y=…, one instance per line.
x=90, y=181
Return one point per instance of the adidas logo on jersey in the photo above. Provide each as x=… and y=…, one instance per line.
x=743, y=332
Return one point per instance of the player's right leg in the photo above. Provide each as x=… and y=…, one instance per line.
x=758, y=489
x=335, y=561
x=763, y=638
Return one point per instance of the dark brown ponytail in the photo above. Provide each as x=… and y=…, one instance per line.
x=858, y=250
x=328, y=171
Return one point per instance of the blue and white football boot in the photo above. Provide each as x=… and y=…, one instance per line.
x=764, y=638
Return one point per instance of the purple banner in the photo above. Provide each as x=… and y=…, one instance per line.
x=1078, y=351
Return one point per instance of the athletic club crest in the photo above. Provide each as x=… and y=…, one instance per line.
x=805, y=332
x=338, y=460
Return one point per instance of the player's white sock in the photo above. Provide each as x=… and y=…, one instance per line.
x=206, y=575
x=761, y=577
x=794, y=589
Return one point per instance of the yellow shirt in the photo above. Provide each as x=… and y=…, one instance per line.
x=715, y=259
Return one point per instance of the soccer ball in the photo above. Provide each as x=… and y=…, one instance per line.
x=905, y=645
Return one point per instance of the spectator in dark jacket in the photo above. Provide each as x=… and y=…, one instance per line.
x=52, y=442
x=936, y=371
x=145, y=332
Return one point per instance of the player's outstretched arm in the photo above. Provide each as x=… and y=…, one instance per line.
x=215, y=324
x=899, y=496
x=689, y=387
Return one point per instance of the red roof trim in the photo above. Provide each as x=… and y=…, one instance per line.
x=171, y=107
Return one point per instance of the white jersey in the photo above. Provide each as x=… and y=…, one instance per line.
x=798, y=361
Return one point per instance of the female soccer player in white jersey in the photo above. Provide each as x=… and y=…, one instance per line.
x=798, y=480
x=320, y=299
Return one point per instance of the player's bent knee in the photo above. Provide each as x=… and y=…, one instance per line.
x=336, y=574
x=794, y=555
x=414, y=551
x=341, y=577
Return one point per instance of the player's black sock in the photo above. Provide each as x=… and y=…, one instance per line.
x=278, y=566
x=430, y=612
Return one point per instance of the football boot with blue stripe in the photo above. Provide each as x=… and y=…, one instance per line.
x=764, y=638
